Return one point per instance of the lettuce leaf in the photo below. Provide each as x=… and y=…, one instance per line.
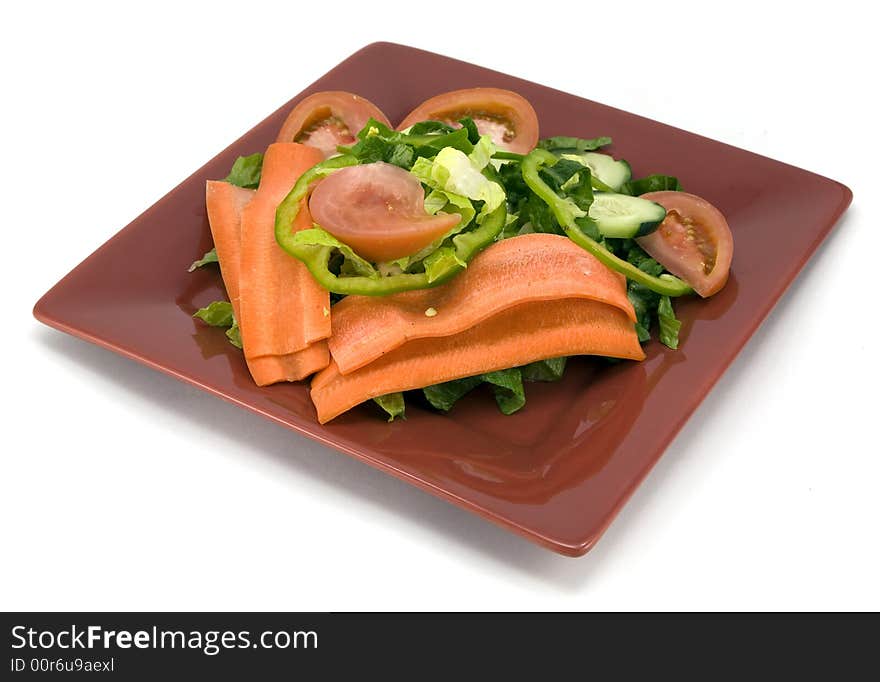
x=669, y=324
x=455, y=172
x=439, y=260
x=652, y=183
x=571, y=179
x=376, y=141
x=209, y=257
x=216, y=314
x=544, y=370
x=449, y=202
x=507, y=386
x=573, y=144
x=428, y=127
x=376, y=148
x=443, y=396
x=353, y=263
x=219, y=314
x=473, y=133
x=644, y=302
x=401, y=155
x=234, y=334
x=246, y=171
x=649, y=306
x=484, y=148
x=393, y=404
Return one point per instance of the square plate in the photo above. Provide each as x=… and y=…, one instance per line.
x=558, y=471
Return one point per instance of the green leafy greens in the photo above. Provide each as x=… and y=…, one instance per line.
x=652, y=183
x=219, y=314
x=571, y=145
x=507, y=385
x=669, y=324
x=378, y=142
x=209, y=257
x=246, y=171
x=462, y=172
x=393, y=405
x=650, y=306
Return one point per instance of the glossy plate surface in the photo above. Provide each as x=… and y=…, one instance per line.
x=558, y=471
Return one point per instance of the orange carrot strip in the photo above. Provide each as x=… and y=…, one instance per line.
x=533, y=267
x=283, y=309
x=225, y=203
x=522, y=334
x=270, y=369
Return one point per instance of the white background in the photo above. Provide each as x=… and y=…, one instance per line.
x=121, y=488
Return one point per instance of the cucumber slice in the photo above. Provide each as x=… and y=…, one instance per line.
x=604, y=168
x=622, y=216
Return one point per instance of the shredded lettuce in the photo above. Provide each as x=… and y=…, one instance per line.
x=209, y=257
x=454, y=172
x=246, y=171
x=417, y=150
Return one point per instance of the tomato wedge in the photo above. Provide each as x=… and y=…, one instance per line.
x=505, y=116
x=327, y=119
x=693, y=241
x=378, y=210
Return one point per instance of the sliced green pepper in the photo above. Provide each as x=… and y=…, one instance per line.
x=317, y=258
x=566, y=211
x=507, y=156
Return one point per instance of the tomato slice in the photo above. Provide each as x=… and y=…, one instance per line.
x=327, y=119
x=502, y=114
x=378, y=210
x=693, y=241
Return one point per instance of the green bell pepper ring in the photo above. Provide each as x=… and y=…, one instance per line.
x=317, y=258
x=566, y=211
x=513, y=156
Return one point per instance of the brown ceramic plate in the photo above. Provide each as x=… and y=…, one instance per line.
x=558, y=471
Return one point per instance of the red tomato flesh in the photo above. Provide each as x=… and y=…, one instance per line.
x=505, y=116
x=327, y=119
x=378, y=210
x=693, y=242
